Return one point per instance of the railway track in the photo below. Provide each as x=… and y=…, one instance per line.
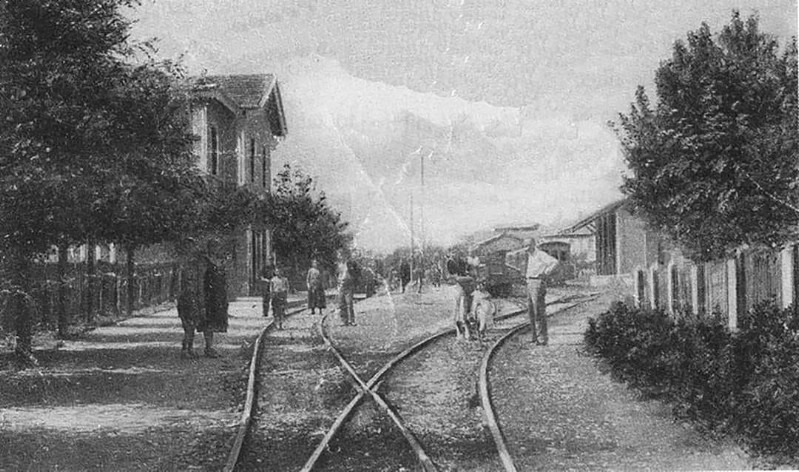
x=392, y=404
x=484, y=385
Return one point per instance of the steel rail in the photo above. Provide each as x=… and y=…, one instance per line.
x=371, y=385
x=485, y=391
x=246, y=415
x=424, y=458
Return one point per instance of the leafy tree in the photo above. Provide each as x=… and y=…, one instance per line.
x=94, y=141
x=714, y=161
x=304, y=226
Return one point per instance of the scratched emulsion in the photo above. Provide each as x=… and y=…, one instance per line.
x=504, y=103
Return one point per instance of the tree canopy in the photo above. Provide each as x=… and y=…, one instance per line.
x=714, y=160
x=304, y=226
x=93, y=145
x=95, y=142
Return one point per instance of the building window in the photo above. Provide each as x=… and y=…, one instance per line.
x=241, y=159
x=641, y=288
x=265, y=168
x=213, y=156
x=675, y=289
x=655, y=288
x=700, y=289
x=252, y=160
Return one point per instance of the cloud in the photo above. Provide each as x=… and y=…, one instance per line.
x=364, y=142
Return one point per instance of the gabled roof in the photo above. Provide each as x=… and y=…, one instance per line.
x=244, y=92
x=506, y=228
x=496, y=238
x=589, y=220
x=247, y=91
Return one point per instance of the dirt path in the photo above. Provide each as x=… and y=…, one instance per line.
x=559, y=412
x=121, y=398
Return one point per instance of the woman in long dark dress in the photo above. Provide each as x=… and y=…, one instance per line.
x=316, y=289
x=216, y=302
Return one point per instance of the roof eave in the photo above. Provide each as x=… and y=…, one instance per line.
x=593, y=216
x=221, y=97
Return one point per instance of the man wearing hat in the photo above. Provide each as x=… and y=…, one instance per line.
x=539, y=266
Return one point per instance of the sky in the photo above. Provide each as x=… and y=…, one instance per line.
x=465, y=114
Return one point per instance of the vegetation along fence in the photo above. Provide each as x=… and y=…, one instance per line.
x=105, y=293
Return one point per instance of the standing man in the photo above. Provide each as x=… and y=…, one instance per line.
x=539, y=266
x=316, y=289
x=346, y=289
x=279, y=292
x=216, y=301
x=404, y=273
x=419, y=275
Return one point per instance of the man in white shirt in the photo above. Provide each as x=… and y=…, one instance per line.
x=346, y=289
x=539, y=266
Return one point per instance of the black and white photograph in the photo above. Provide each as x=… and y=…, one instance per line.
x=399, y=236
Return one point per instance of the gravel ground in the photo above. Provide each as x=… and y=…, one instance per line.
x=302, y=390
x=559, y=412
x=120, y=398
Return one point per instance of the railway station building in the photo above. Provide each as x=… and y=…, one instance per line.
x=651, y=270
x=239, y=121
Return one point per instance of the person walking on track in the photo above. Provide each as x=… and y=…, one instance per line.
x=279, y=292
x=346, y=290
x=316, y=289
x=539, y=266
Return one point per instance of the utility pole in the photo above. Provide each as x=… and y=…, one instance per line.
x=411, y=261
x=421, y=224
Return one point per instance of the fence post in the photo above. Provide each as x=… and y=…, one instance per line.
x=786, y=277
x=130, y=275
x=732, y=294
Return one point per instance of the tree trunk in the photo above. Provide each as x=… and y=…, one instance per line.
x=61, y=304
x=20, y=285
x=130, y=275
x=91, y=274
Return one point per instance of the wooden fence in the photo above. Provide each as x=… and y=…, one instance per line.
x=153, y=284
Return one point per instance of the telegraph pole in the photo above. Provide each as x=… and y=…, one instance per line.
x=411, y=262
x=421, y=224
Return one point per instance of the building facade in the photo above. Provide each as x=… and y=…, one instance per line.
x=239, y=120
x=654, y=272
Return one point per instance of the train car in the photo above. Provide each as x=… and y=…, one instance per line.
x=517, y=261
x=498, y=276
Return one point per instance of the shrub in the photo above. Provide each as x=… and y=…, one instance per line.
x=744, y=382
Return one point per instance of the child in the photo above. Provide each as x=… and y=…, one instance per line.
x=483, y=310
x=266, y=281
x=278, y=292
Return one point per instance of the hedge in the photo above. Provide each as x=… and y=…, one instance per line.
x=744, y=383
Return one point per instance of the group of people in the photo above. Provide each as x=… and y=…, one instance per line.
x=276, y=289
x=540, y=267
x=202, y=299
x=416, y=277
x=202, y=303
